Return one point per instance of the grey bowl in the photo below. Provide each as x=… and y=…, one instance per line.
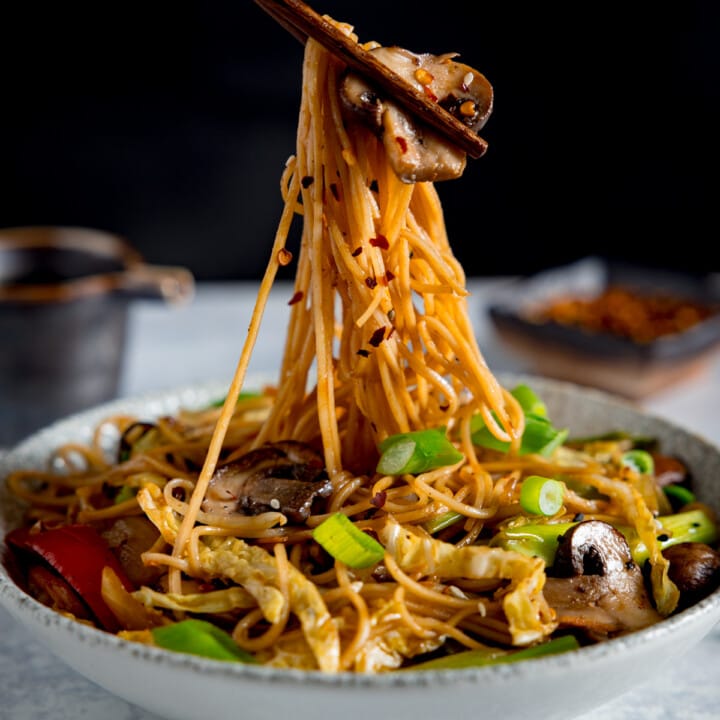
x=185, y=688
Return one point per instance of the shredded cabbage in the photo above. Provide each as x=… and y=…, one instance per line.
x=530, y=618
x=255, y=570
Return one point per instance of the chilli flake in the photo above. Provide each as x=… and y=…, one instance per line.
x=377, y=337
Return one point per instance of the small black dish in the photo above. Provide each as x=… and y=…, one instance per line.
x=603, y=359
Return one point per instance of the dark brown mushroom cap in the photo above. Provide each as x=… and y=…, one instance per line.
x=695, y=569
x=450, y=83
x=670, y=470
x=284, y=477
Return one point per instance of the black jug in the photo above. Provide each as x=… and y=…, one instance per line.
x=64, y=299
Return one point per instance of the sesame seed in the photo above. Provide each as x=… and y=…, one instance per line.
x=275, y=504
x=467, y=80
x=456, y=592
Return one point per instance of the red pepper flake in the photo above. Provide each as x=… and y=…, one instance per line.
x=363, y=353
x=374, y=186
x=335, y=191
x=371, y=282
x=307, y=181
x=296, y=298
x=380, y=242
x=389, y=275
x=207, y=586
x=357, y=251
x=378, y=500
x=377, y=337
x=402, y=142
x=430, y=93
x=284, y=257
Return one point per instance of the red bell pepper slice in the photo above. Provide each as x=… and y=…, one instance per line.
x=78, y=553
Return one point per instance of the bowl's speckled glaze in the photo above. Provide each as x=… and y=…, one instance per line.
x=185, y=688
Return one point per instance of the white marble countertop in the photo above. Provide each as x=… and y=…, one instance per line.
x=173, y=346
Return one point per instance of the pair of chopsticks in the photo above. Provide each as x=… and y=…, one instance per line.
x=303, y=22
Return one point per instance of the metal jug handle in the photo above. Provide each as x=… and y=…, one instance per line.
x=174, y=285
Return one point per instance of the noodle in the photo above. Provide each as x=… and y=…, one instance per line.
x=379, y=343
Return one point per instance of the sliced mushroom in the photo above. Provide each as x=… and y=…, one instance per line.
x=284, y=477
x=670, y=470
x=596, y=585
x=50, y=589
x=416, y=152
x=128, y=538
x=695, y=569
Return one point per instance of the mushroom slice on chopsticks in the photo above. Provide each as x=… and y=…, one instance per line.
x=416, y=152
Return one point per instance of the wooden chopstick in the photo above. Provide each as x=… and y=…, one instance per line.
x=302, y=22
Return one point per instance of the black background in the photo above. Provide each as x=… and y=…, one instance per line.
x=170, y=124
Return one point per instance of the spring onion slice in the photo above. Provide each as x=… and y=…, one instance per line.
x=679, y=495
x=529, y=400
x=244, y=395
x=199, y=637
x=478, y=658
x=541, y=495
x=688, y=526
x=126, y=493
x=540, y=436
x=440, y=522
x=417, y=452
x=347, y=543
x=533, y=539
x=639, y=460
